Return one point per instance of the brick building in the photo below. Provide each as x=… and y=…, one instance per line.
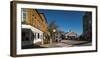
x=34, y=26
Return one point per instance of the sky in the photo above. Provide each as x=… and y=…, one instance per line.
x=65, y=20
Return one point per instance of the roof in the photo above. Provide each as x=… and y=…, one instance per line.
x=71, y=34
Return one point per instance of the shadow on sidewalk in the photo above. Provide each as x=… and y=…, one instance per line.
x=82, y=43
x=31, y=46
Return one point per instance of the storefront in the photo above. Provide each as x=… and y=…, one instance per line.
x=31, y=35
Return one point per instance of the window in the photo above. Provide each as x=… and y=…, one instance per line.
x=34, y=35
x=25, y=36
x=33, y=19
x=23, y=15
x=39, y=26
x=38, y=35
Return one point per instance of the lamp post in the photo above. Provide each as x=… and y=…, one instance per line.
x=54, y=30
x=52, y=37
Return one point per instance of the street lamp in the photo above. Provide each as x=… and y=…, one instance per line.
x=54, y=30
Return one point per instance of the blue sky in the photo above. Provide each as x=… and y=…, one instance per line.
x=65, y=19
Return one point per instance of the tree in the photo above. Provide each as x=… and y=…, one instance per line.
x=51, y=27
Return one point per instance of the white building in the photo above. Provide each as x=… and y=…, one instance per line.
x=70, y=35
x=31, y=35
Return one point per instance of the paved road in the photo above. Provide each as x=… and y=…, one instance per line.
x=67, y=43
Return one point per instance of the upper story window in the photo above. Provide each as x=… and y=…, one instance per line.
x=23, y=15
x=39, y=26
x=33, y=19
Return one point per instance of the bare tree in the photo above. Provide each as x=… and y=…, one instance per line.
x=51, y=27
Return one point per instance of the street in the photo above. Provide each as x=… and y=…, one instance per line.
x=67, y=43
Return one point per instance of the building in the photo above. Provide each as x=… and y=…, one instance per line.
x=70, y=35
x=87, y=26
x=34, y=26
x=58, y=36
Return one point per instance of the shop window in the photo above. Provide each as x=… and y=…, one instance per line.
x=25, y=36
